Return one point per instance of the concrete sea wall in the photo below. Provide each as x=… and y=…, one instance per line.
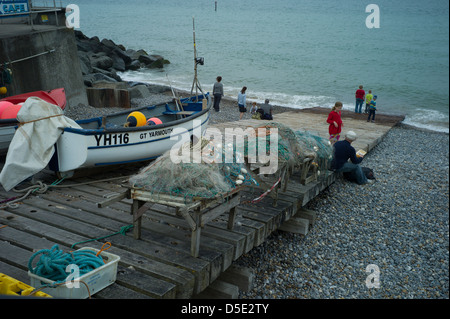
x=48, y=60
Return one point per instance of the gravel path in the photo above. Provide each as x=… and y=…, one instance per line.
x=399, y=223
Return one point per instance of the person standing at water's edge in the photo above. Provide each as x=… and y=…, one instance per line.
x=368, y=99
x=218, y=93
x=372, y=109
x=359, y=95
x=241, y=102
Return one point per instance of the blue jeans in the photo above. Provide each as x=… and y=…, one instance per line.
x=355, y=170
x=359, y=102
x=371, y=114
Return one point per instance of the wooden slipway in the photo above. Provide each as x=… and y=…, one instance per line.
x=159, y=265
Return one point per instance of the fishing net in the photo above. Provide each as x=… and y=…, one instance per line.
x=315, y=147
x=293, y=147
x=209, y=169
x=193, y=172
x=284, y=144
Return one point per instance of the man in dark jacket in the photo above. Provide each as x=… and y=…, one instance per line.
x=343, y=151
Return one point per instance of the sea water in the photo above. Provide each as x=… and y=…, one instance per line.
x=296, y=53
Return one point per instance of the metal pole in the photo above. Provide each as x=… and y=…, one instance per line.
x=195, y=59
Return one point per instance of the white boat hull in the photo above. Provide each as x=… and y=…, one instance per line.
x=84, y=148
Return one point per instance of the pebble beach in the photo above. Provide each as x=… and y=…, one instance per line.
x=397, y=225
x=396, y=228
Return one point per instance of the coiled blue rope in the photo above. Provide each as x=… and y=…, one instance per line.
x=53, y=262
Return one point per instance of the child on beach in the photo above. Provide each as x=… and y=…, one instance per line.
x=372, y=109
x=254, y=112
x=335, y=121
x=369, y=98
x=241, y=102
x=254, y=108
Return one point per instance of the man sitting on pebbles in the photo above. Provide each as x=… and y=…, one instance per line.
x=343, y=151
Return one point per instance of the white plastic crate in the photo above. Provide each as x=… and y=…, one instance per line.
x=96, y=279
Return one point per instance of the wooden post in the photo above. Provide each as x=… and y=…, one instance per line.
x=195, y=239
x=231, y=218
x=123, y=99
x=137, y=209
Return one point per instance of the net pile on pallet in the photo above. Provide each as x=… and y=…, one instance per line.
x=192, y=172
x=318, y=147
x=294, y=147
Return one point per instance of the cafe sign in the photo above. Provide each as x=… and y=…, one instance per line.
x=14, y=7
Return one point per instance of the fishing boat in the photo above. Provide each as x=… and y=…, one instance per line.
x=118, y=138
x=7, y=125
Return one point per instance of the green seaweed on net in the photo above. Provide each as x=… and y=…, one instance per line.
x=318, y=147
x=294, y=147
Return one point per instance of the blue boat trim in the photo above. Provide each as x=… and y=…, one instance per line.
x=83, y=131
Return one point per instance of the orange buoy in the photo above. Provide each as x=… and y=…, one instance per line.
x=3, y=90
x=136, y=119
x=154, y=121
x=10, y=112
x=4, y=105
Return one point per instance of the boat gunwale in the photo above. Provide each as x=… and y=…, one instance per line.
x=109, y=130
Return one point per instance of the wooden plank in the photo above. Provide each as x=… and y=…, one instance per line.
x=237, y=241
x=158, y=270
x=220, y=209
x=19, y=258
x=180, y=230
x=14, y=272
x=308, y=214
x=295, y=225
x=255, y=214
x=123, y=98
x=249, y=233
x=257, y=226
x=161, y=270
x=219, y=290
x=240, y=276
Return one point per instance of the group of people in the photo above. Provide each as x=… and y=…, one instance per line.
x=262, y=112
x=371, y=103
x=345, y=158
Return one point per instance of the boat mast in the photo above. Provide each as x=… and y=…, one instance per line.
x=197, y=61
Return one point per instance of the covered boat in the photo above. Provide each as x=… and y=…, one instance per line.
x=8, y=123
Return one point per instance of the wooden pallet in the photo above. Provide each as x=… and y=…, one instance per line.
x=197, y=212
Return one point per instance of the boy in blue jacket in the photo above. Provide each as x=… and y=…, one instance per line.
x=372, y=109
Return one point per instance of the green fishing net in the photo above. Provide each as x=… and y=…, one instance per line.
x=193, y=172
x=319, y=148
x=293, y=147
x=210, y=169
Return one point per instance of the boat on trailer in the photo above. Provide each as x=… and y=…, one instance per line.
x=8, y=126
x=108, y=140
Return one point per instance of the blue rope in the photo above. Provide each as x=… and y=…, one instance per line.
x=53, y=262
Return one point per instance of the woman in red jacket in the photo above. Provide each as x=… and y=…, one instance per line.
x=335, y=121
